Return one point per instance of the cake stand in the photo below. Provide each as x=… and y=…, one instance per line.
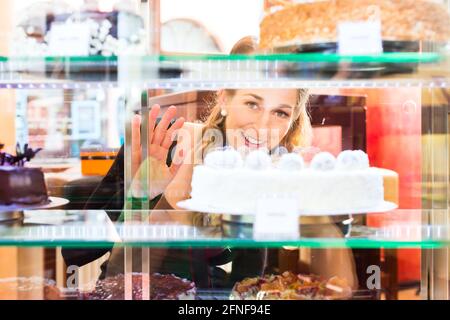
x=358, y=70
x=15, y=212
x=193, y=205
x=238, y=221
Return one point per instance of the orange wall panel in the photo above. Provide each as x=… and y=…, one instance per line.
x=394, y=126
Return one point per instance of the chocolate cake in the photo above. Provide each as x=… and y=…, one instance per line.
x=162, y=287
x=20, y=185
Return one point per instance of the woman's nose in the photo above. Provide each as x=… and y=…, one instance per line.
x=264, y=120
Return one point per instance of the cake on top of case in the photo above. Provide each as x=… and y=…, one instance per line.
x=318, y=21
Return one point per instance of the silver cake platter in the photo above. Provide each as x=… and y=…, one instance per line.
x=194, y=205
x=239, y=216
x=303, y=220
x=15, y=212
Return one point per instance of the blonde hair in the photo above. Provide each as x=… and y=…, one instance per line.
x=300, y=130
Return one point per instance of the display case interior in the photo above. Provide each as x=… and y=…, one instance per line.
x=297, y=171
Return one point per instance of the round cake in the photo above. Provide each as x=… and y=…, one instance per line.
x=21, y=185
x=162, y=287
x=290, y=286
x=318, y=21
x=227, y=183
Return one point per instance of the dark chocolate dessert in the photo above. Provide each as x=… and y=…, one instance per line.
x=162, y=287
x=20, y=185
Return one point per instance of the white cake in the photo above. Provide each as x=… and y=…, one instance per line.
x=229, y=183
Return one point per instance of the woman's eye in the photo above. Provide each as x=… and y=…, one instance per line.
x=282, y=114
x=252, y=105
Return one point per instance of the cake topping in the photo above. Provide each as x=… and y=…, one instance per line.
x=20, y=158
x=352, y=160
x=364, y=158
x=279, y=151
x=258, y=160
x=224, y=159
x=291, y=162
x=323, y=161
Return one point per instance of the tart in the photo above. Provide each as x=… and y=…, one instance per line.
x=290, y=286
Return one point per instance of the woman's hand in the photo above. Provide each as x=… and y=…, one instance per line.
x=160, y=138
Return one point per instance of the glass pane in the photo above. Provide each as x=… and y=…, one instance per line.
x=284, y=142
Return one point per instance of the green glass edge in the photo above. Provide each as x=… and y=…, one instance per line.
x=78, y=59
x=74, y=59
x=390, y=57
x=400, y=57
x=213, y=243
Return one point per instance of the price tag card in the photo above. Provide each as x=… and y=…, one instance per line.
x=276, y=218
x=358, y=38
x=69, y=39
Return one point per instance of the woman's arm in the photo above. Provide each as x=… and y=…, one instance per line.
x=330, y=262
x=179, y=187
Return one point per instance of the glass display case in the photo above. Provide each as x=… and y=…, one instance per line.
x=309, y=162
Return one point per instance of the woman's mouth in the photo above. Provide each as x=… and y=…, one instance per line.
x=252, y=142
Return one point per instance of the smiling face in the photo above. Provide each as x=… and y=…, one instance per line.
x=258, y=118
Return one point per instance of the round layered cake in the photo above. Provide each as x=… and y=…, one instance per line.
x=20, y=185
x=227, y=182
x=318, y=21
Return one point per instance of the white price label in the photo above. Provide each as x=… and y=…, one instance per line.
x=276, y=218
x=360, y=38
x=69, y=39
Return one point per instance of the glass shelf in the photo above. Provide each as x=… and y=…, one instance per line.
x=390, y=57
x=212, y=71
x=180, y=229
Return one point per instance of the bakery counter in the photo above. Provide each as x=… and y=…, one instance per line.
x=400, y=228
x=130, y=243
